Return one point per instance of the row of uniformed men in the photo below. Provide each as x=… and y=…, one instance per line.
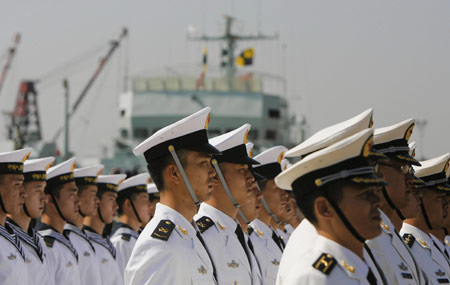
x=374, y=214
x=81, y=202
x=67, y=246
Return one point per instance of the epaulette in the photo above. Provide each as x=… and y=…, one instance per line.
x=409, y=239
x=49, y=240
x=126, y=237
x=325, y=263
x=250, y=230
x=163, y=230
x=204, y=223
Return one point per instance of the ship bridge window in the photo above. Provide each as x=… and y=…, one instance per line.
x=141, y=132
x=124, y=133
x=274, y=113
x=271, y=134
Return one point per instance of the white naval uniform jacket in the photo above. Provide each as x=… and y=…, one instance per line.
x=62, y=255
x=447, y=243
x=267, y=251
x=229, y=258
x=169, y=252
x=106, y=255
x=393, y=255
x=301, y=240
x=124, y=239
x=35, y=255
x=13, y=269
x=426, y=254
x=256, y=268
x=88, y=263
x=326, y=262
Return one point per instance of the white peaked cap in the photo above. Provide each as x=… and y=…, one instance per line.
x=89, y=171
x=401, y=130
x=351, y=147
x=271, y=155
x=139, y=179
x=433, y=166
x=12, y=162
x=177, y=135
x=63, y=168
x=231, y=139
x=249, y=146
x=333, y=134
x=115, y=179
x=151, y=188
x=38, y=165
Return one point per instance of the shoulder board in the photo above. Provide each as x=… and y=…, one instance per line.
x=204, y=223
x=49, y=240
x=409, y=239
x=325, y=263
x=163, y=230
x=126, y=237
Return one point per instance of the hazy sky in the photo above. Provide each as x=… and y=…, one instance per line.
x=340, y=57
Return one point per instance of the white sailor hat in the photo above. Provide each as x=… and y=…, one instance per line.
x=392, y=141
x=152, y=189
x=434, y=172
x=12, y=162
x=36, y=169
x=61, y=173
x=270, y=161
x=189, y=133
x=416, y=181
x=285, y=164
x=88, y=175
x=333, y=134
x=134, y=184
x=233, y=147
x=110, y=182
x=257, y=176
x=345, y=160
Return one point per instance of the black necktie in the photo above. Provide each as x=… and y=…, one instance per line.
x=276, y=239
x=371, y=278
x=241, y=238
x=250, y=246
x=446, y=253
x=199, y=236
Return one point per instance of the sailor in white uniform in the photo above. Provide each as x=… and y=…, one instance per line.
x=337, y=189
x=133, y=210
x=169, y=250
x=267, y=243
x=391, y=253
x=107, y=186
x=416, y=231
x=38, y=263
x=305, y=233
x=13, y=269
x=216, y=218
x=86, y=180
x=63, y=204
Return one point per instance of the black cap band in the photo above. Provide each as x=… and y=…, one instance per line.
x=11, y=168
x=86, y=180
x=60, y=179
x=35, y=176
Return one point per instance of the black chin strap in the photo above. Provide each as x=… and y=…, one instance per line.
x=424, y=213
x=343, y=218
x=134, y=210
x=391, y=204
x=57, y=207
x=81, y=213
x=100, y=215
x=26, y=210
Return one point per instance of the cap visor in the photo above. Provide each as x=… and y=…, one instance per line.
x=406, y=158
x=258, y=177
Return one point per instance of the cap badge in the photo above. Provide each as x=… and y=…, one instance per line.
x=26, y=157
x=280, y=157
x=409, y=132
x=367, y=147
x=246, y=136
x=208, y=120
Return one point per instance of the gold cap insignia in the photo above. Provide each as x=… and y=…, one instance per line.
x=280, y=157
x=208, y=120
x=26, y=157
x=367, y=147
x=409, y=132
x=99, y=172
x=73, y=167
x=48, y=166
x=246, y=136
x=371, y=122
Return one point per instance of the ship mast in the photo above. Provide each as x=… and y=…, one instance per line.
x=231, y=41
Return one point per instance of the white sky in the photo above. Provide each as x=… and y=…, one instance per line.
x=341, y=57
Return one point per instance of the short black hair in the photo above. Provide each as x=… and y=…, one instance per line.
x=121, y=200
x=55, y=189
x=305, y=202
x=156, y=167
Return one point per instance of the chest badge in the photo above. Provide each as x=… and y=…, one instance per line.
x=349, y=268
x=12, y=257
x=86, y=254
x=69, y=264
x=403, y=267
x=275, y=262
x=233, y=264
x=440, y=273
x=202, y=270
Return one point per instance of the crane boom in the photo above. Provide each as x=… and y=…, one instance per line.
x=114, y=44
x=11, y=53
